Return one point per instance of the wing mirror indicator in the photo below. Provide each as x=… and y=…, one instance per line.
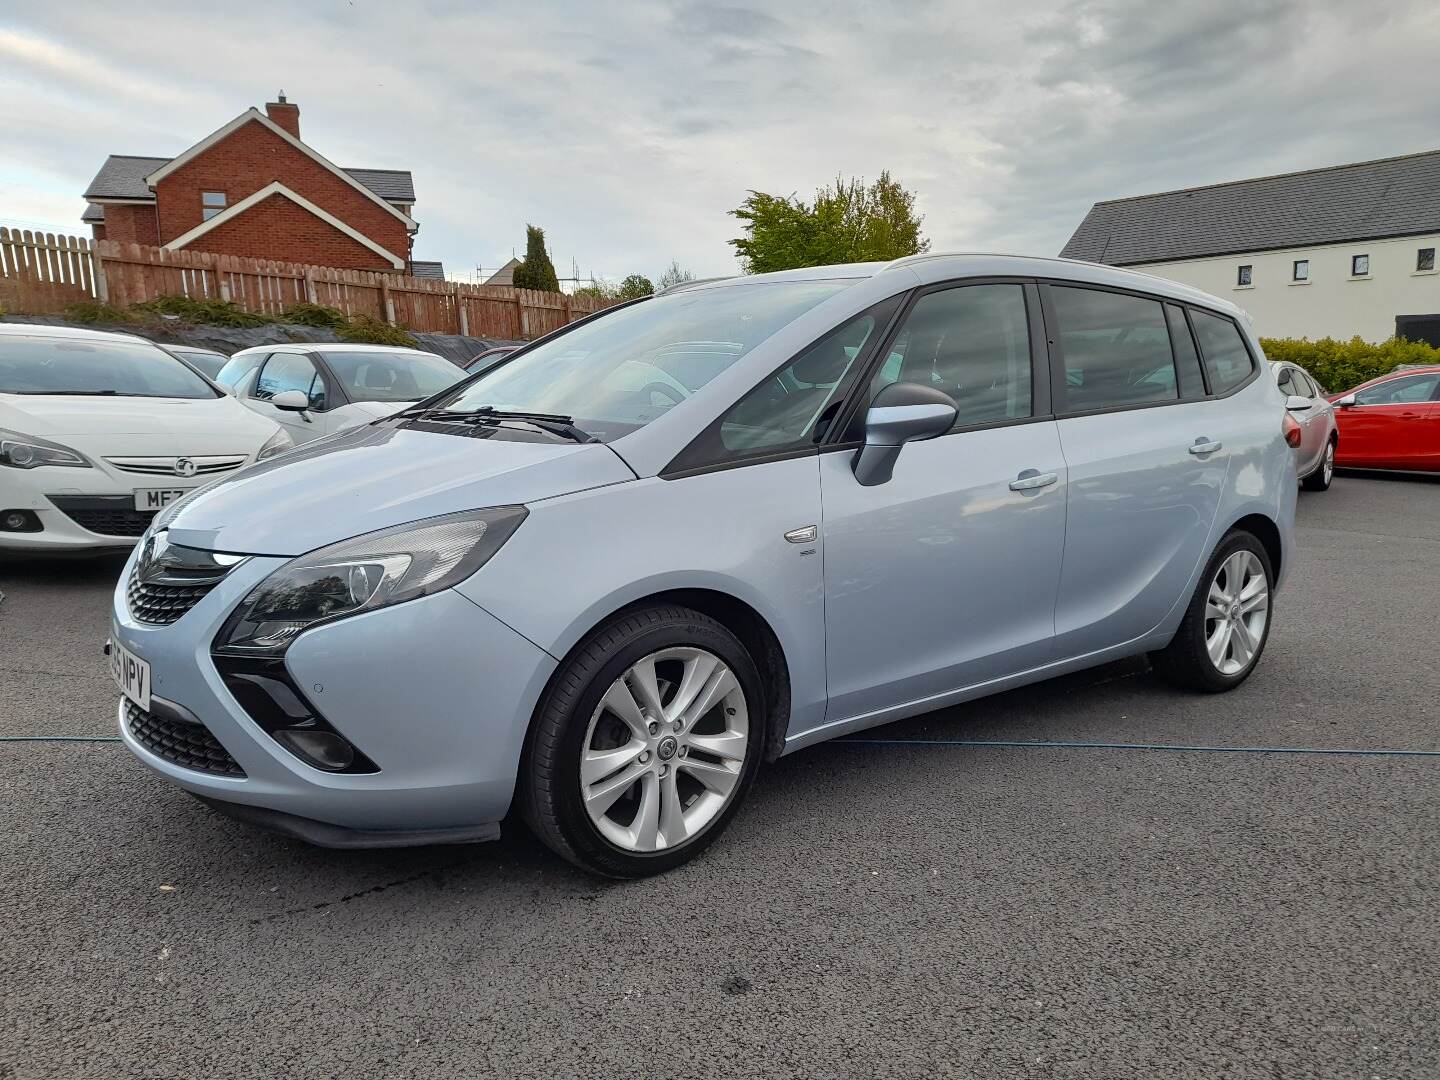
x=900, y=413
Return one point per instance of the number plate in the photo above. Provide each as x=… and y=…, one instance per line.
x=158, y=498
x=131, y=674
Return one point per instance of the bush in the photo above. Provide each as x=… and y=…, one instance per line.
x=213, y=312
x=371, y=331
x=537, y=271
x=315, y=315
x=1340, y=365
x=92, y=311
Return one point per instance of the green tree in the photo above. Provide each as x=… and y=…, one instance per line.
x=634, y=287
x=537, y=271
x=673, y=275
x=849, y=222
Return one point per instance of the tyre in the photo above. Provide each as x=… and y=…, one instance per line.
x=1319, y=480
x=645, y=743
x=1225, y=628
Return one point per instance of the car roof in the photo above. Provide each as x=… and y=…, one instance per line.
x=943, y=266
x=195, y=348
x=64, y=332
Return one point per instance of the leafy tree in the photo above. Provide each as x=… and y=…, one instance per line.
x=537, y=271
x=673, y=275
x=849, y=222
x=634, y=287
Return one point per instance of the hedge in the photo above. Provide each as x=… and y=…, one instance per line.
x=1341, y=365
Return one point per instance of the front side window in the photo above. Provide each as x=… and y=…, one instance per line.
x=1409, y=391
x=387, y=376
x=971, y=342
x=1300, y=270
x=1227, y=360
x=236, y=368
x=290, y=371
x=1244, y=275
x=95, y=368
x=211, y=203
x=1425, y=259
x=1116, y=349
x=1359, y=265
x=1286, y=381
x=617, y=373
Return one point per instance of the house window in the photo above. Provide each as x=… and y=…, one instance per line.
x=1425, y=259
x=1359, y=265
x=1300, y=270
x=211, y=203
x=1244, y=275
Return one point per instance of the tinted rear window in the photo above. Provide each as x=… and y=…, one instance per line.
x=1116, y=349
x=1226, y=359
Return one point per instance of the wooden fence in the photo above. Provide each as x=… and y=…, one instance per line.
x=42, y=274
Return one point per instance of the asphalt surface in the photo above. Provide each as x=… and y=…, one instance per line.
x=875, y=910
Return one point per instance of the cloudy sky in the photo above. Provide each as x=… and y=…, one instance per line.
x=628, y=130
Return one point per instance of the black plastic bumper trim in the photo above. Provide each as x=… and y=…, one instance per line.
x=324, y=834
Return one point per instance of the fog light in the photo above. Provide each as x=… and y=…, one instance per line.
x=19, y=521
x=323, y=749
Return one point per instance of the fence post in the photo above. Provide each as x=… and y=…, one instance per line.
x=310, y=294
x=387, y=304
x=97, y=268
x=460, y=309
x=524, y=315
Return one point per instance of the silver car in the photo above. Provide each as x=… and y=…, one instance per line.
x=1312, y=412
x=602, y=582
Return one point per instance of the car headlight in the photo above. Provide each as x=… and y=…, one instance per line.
x=276, y=444
x=368, y=572
x=31, y=452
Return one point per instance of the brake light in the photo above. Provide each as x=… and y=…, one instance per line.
x=1291, y=430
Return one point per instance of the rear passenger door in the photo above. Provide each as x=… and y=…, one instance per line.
x=1146, y=457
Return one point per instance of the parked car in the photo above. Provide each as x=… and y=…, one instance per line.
x=1315, y=416
x=1392, y=422
x=206, y=361
x=319, y=389
x=488, y=358
x=908, y=485
x=98, y=431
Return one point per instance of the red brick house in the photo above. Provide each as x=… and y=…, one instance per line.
x=253, y=188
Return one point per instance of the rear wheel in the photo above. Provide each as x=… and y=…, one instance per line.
x=1319, y=480
x=646, y=743
x=1227, y=623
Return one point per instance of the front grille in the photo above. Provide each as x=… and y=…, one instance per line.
x=162, y=605
x=165, y=466
x=108, y=522
x=191, y=746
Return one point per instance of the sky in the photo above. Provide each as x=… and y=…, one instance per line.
x=629, y=130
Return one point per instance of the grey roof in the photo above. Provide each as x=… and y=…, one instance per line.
x=123, y=177
x=427, y=269
x=505, y=275
x=94, y=214
x=1369, y=200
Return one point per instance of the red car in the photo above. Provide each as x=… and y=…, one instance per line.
x=1392, y=422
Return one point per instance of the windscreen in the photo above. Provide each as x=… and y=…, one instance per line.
x=99, y=368
x=619, y=372
x=392, y=376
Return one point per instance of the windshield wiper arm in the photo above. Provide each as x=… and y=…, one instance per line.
x=551, y=423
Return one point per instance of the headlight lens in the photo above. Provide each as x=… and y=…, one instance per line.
x=276, y=444
x=31, y=452
x=368, y=572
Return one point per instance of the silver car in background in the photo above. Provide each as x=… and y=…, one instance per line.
x=1308, y=406
x=602, y=582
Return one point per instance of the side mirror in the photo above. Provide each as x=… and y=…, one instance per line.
x=1346, y=402
x=1296, y=403
x=900, y=413
x=291, y=401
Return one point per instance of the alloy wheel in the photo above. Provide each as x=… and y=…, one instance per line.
x=1329, y=464
x=1236, y=610
x=664, y=750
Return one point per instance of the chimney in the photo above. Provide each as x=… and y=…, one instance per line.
x=285, y=114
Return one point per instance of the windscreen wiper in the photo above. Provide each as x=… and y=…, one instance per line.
x=551, y=423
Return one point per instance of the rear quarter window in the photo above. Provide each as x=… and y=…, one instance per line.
x=1227, y=360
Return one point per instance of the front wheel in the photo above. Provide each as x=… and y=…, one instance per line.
x=1227, y=623
x=1319, y=480
x=648, y=739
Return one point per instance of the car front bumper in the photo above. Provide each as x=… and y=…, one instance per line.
x=79, y=509
x=435, y=691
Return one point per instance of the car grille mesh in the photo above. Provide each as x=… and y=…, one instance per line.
x=162, y=605
x=191, y=746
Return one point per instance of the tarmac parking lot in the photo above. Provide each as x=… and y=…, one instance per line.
x=905, y=906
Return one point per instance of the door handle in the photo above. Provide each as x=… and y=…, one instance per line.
x=1030, y=480
x=1204, y=446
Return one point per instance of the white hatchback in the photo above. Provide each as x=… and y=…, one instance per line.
x=317, y=389
x=99, y=431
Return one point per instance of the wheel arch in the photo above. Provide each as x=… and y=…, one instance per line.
x=1264, y=529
